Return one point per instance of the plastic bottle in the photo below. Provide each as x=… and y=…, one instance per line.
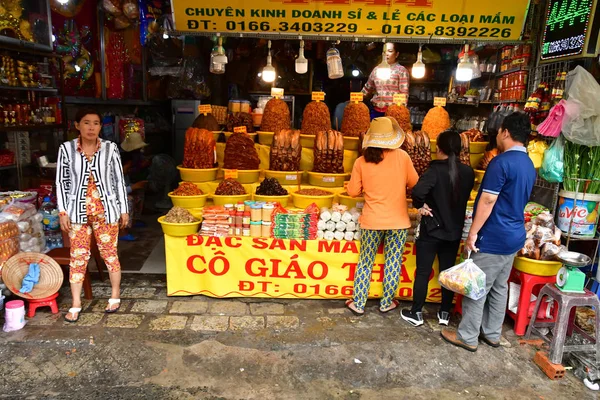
x=49, y=212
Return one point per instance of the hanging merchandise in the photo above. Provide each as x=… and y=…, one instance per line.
x=581, y=123
x=535, y=150
x=335, y=69
x=218, y=59
x=71, y=43
x=150, y=11
x=552, y=167
x=551, y=127
x=116, y=57
x=68, y=9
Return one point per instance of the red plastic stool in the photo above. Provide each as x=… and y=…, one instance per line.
x=530, y=284
x=47, y=302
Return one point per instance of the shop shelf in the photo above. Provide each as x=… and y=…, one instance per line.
x=110, y=102
x=41, y=127
x=26, y=89
x=510, y=71
x=7, y=167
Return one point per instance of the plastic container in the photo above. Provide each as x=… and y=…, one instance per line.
x=255, y=212
x=265, y=138
x=246, y=176
x=307, y=141
x=14, y=316
x=197, y=175
x=335, y=69
x=245, y=106
x=327, y=180
x=285, y=177
x=178, y=230
x=196, y=201
x=584, y=214
x=351, y=143
x=266, y=229
x=255, y=228
x=477, y=147
x=536, y=267
x=479, y=175
x=51, y=221
x=303, y=201
x=351, y=202
x=267, y=211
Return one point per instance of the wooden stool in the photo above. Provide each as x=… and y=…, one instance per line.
x=565, y=322
x=34, y=304
x=530, y=284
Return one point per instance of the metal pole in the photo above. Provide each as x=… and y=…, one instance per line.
x=102, y=49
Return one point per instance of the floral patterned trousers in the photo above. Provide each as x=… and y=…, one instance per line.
x=107, y=237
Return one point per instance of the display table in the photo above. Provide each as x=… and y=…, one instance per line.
x=278, y=268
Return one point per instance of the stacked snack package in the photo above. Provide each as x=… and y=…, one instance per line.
x=216, y=221
x=339, y=223
x=29, y=222
x=9, y=241
x=302, y=225
x=543, y=237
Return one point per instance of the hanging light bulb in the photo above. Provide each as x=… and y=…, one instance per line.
x=268, y=72
x=165, y=35
x=418, y=68
x=355, y=72
x=301, y=62
x=218, y=59
x=464, y=69
x=383, y=71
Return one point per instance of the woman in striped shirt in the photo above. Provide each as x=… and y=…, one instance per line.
x=382, y=91
x=91, y=198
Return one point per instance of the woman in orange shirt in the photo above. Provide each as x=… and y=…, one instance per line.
x=382, y=175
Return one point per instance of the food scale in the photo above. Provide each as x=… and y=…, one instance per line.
x=569, y=278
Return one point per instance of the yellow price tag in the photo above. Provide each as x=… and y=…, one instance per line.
x=399, y=99
x=205, y=109
x=318, y=96
x=356, y=97
x=439, y=101
x=231, y=174
x=277, y=92
x=240, y=129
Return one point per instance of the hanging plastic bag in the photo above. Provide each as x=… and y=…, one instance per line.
x=465, y=278
x=552, y=166
x=535, y=151
x=581, y=123
x=552, y=125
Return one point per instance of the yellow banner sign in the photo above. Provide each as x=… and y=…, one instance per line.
x=460, y=19
x=277, y=268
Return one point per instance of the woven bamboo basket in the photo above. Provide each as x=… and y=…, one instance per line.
x=15, y=269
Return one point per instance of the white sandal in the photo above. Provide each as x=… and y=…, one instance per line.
x=72, y=311
x=112, y=302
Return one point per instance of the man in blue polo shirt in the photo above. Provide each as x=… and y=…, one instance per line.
x=497, y=233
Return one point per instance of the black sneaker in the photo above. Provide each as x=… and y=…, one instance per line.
x=415, y=319
x=443, y=317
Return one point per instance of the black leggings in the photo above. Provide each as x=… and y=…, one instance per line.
x=427, y=248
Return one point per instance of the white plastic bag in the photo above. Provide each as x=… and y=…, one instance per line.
x=465, y=278
x=581, y=123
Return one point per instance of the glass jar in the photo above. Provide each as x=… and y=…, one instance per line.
x=335, y=69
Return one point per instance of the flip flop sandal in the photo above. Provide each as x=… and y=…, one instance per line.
x=393, y=306
x=358, y=314
x=112, y=302
x=72, y=311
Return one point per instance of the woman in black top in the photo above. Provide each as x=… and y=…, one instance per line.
x=441, y=196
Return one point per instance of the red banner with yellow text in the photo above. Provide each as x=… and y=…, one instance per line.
x=278, y=268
